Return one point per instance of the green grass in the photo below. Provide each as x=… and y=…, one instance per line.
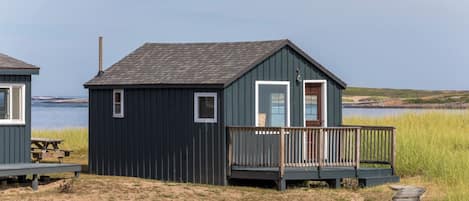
x=434, y=145
x=396, y=93
x=440, y=100
x=75, y=139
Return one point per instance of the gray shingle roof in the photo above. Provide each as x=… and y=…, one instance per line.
x=7, y=62
x=188, y=63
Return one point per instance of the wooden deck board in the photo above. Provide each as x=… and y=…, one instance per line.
x=19, y=169
x=307, y=173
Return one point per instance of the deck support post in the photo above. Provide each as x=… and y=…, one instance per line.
x=333, y=183
x=321, y=149
x=35, y=182
x=357, y=150
x=77, y=174
x=393, y=151
x=281, y=160
x=281, y=184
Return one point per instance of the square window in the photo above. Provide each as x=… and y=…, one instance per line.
x=12, y=102
x=205, y=109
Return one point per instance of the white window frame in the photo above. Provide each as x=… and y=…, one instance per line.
x=114, y=114
x=10, y=121
x=196, y=107
x=259, y=82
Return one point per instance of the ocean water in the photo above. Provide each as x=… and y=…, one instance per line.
x=57, y=116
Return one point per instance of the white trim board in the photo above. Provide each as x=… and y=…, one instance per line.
x=324, y=111
x=256, y=95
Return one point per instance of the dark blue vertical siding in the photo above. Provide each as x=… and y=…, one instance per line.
x=15, y=140
x=281, y=66
x=157, y=138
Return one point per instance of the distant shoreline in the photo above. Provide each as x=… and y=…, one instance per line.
x=59, y=100
x=437, y=107
x=364, y=105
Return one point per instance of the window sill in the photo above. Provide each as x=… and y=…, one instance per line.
x=205, y=121
x=12, y=123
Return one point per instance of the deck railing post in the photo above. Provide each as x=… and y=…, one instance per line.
x=230, y=150
x=393, y=150
x=321, y=148
x=357, y=148
x=281, y=159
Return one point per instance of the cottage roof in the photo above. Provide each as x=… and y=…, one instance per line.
x=7, y=62
x=193, y=63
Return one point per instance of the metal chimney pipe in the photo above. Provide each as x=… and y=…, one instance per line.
x=100, y=56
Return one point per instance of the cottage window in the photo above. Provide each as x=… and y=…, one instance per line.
x=12, y=103
x=272, y=103
x=205, y=107
x=118, y=103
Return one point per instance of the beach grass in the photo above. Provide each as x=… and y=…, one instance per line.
x=75, y=139
x=434, y=145
x=399, y=93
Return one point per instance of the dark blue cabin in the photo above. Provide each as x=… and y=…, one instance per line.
x=212, y=112
x=15, y=110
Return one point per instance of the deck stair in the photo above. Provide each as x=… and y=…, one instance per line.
x=377, y=180
x=375, y=177
x=407, y=193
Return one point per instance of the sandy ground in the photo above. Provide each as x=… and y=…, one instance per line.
x=90, y=187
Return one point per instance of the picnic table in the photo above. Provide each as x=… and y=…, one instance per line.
x=45, y=148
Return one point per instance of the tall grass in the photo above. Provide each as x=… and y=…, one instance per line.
x=75, y=139
x=433, y=144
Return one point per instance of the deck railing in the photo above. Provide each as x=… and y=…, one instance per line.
x=281, y=147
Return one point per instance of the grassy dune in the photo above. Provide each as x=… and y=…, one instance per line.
x=399, y=93
x=75, y=139
x=434, y=145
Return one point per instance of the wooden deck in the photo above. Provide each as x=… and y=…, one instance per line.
x=36, y=169
x=332, y=175
x=312, y=153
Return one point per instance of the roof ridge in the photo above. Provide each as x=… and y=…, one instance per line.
x=214, y=42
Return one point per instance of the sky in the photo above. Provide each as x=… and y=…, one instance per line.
x=418, y=44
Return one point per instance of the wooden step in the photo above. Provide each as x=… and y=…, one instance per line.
x=375, y=181
x=407, y=193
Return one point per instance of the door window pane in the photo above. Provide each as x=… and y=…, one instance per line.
x=311, y=107
x=272, y=105
x=278, y=109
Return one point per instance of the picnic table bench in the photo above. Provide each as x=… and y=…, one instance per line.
x=45, y=148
